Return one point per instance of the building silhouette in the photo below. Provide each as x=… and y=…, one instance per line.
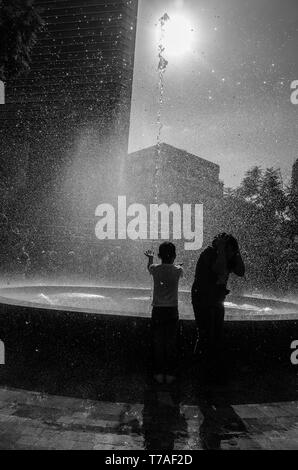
x=172, y=175
x=64, y=127
x=181, y=176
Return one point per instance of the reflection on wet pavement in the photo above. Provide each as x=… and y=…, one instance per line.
x=33, y=420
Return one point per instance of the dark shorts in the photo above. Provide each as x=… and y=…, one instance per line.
x=164, y=315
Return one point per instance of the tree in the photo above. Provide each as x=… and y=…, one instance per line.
x=256, y=214
x=250, y=186
x=20, y=22
x=272, y=195
x=292, y=209
x=292, y=213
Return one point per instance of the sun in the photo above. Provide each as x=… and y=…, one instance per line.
x=178, y=37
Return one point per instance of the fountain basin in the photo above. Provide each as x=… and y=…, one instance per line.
x=136, y=302
x=58, y=323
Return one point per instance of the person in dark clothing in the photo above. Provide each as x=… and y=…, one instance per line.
x=209, y=291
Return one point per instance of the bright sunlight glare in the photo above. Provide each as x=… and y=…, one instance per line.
x=179, y=36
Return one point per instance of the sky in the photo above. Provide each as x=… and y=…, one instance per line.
x=227, y=97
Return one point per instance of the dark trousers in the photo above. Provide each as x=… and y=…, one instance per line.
x=210, y=325
x=164, y=327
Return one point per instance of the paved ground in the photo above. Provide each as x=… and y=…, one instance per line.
x=60, y=391
x=31, y=420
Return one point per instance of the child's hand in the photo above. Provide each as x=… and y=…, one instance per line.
x=149, y=253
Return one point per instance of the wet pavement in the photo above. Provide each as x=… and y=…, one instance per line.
x=34, y=420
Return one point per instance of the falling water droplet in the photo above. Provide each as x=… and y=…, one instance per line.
x=162, y=66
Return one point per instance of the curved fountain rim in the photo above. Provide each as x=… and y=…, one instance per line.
x=126, y=287
x=88, y=311
x=66, y=309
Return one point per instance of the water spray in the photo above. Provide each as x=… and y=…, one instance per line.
x=162, y=66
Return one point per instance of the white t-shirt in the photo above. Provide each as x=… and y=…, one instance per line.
x=166, y=279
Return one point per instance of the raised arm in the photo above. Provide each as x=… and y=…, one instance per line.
x=238, y=266
x=150, y=256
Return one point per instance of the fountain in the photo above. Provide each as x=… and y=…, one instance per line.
x=133, y=302
x=27, y=307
